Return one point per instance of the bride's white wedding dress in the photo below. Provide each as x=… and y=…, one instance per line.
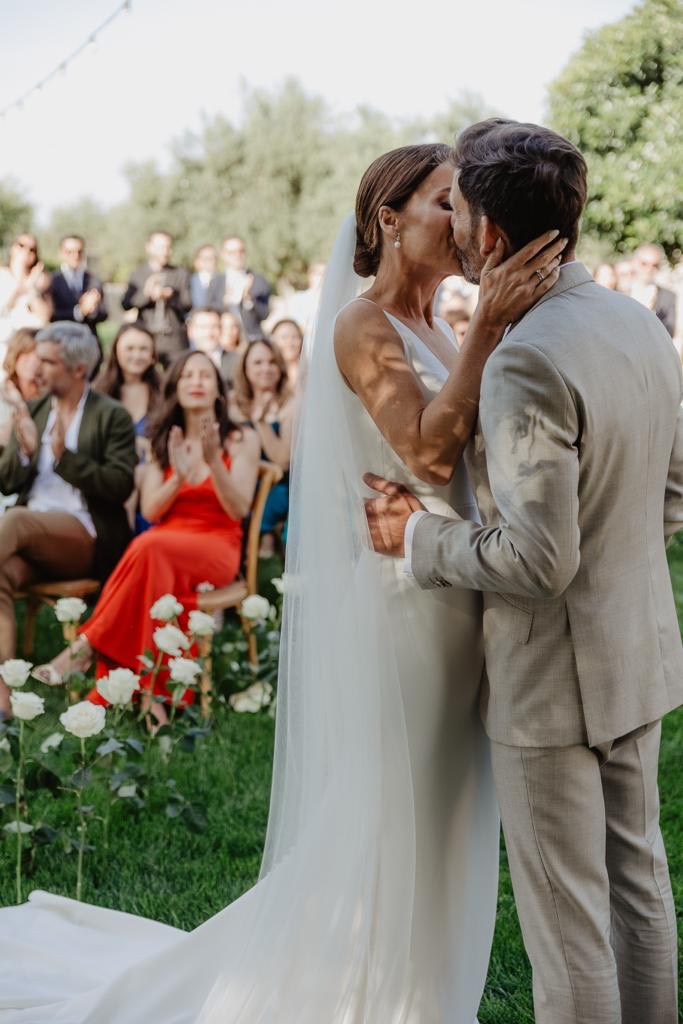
x=376, y=901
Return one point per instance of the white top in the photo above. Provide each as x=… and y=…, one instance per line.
x=51, y=493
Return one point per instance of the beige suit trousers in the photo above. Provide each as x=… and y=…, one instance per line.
x=591, y=880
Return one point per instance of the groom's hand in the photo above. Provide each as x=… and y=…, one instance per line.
x=387, y=516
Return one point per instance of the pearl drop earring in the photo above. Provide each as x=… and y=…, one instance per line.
x=397, y=243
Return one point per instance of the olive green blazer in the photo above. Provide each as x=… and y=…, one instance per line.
x=102, y=469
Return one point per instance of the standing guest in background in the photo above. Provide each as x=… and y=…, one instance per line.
x=648, y=263
x=458, y=320
x=76, y=293
x=204, y=272
x=25, y=299
x=624, y=270
x=197, y=489
x=289, y=339
x=71, y=459
x=240, y=289
x=301, y=306
x=204, y=333
x=233, y=342
x=262, y=399
x=130, y=377
x=161, y=294
x=606, y=275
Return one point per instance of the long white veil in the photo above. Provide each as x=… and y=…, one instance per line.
x=334, y=936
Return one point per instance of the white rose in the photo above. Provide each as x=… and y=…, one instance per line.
x=205, y=587
x=51, y=742
x=70, y=609
x=4, y=745
x=279, y=584
x=255, y=697
x=15, y=672
x=165, y=608
x=201, y=624
x=127, y=791
x=184, y=670
x=170, y=640
x=84, y=719
x=26, y=706
x=119, y=686
x=165, y=745
x=255, y=607
x=21, y=826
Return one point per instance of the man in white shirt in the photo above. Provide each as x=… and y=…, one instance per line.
x=71, y=459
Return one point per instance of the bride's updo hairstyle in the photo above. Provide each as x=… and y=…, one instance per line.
x=390, y=180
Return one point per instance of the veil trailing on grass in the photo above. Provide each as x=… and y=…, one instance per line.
x=333, y=940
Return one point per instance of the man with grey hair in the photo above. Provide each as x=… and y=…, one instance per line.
x=648, y=263
x=71, y=460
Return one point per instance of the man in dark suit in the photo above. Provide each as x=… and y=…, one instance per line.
x=204, y=272
x=161, y=294
x=77, y=294
x=71, y=460
x=647, y=264
x=240, y=289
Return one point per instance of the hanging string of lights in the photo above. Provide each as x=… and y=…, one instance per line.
x=60, y=69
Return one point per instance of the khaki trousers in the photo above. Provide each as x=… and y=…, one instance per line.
x=591, y=880
x=37, y=545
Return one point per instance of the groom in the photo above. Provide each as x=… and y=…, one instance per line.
x=577, y=466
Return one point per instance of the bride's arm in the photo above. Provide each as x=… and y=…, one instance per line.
x=430, y=436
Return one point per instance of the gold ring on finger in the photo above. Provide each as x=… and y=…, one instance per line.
x=539, y=275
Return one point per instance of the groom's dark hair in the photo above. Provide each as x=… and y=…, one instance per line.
x=527, y=179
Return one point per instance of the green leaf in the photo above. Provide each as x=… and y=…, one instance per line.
x=135, y=745
x=174, y=809
x=38, y=776
x=194, y=817
x=45, y=834
x=110, y=746
x=7, y=795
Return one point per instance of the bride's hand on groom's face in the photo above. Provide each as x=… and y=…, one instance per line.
x=387, y=516
x=509, y=287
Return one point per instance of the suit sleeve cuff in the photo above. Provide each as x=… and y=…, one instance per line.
x=408, y=541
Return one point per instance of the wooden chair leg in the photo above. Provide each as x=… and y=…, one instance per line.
x=32, y=607
x=253, y=649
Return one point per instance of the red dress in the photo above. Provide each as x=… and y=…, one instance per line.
x=195, y=542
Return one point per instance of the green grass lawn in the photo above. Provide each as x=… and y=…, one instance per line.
x=158, y=868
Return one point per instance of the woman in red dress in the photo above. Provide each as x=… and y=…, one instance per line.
x=196, y=491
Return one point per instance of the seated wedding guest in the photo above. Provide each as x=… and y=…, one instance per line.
x=25, y=299
x=71, y=459
x=240, y=289
x=262, y=399
x=648, y=262
x=160, y=292
x=22, y=381
x=289, y=339
x=130, y=376
x=606, y=275
x=204, y=270
x=76, y=293
x=197, y=489
x=204, y=333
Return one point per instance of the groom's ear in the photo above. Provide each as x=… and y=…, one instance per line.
x=488, y=238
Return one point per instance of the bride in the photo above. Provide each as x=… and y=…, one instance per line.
x=376, y=899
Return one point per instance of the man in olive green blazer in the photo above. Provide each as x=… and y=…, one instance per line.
x=71, y=461
x=577, y=468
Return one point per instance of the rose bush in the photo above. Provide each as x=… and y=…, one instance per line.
x=84, y=719
x=166, y=608
x=70, y=609
x=170, y=640
x=15, y=671
x=26, y=706
x=119, y=686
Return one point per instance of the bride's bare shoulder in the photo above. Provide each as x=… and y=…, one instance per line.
x=361, y=329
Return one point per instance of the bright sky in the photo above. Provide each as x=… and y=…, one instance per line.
x=159, y=70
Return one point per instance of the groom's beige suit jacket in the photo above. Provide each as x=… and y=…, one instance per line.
x=577, y=467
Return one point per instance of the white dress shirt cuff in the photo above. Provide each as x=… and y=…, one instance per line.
x=408, y=540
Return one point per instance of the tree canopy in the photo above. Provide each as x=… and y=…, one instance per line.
x=620, y=100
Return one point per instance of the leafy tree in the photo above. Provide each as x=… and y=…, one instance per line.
x=620, y=100
x=16, y=214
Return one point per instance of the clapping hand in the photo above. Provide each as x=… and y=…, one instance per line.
x=179, y=453
x=24, y=428
x=261, y=406
x=387, y=516
x=211, y=440
x=89, y=301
